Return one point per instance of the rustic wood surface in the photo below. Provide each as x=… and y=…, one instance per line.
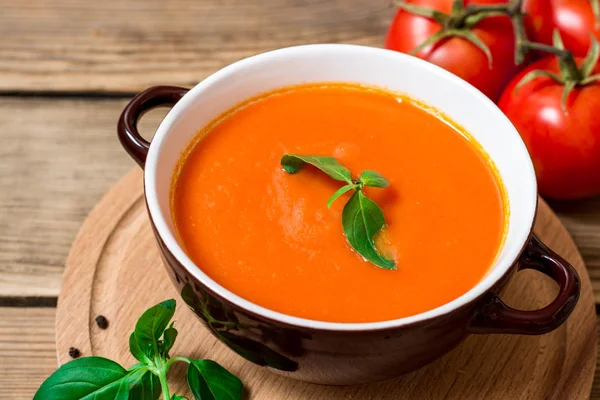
x=115, y=252
x=27, y=350
x=26, y=362
x=66, y=70
x=582, y=220
x=57, y=158
x=123, y=46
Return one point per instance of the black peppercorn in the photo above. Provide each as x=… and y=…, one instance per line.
x=102, y=322
x=74, y=353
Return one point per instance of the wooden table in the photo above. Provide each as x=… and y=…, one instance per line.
x=67, y=68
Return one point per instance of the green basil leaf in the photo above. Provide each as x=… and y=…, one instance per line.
x=340, y=192
x=144, y=385
x=292, y=163
x=362, y=218
x=169, y=340
x=137, y=352
x=210, y=381
x=123, y=393
x=84, y=378
x=178, y=397
x=373, y=178
x=151, y=325
x=137, y=366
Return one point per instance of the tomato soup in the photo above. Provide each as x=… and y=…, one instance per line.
x=269, y=237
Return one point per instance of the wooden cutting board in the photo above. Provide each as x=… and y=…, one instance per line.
x=114, y=269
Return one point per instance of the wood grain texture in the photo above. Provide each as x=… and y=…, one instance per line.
x=28, y=355
x=27, y=350
x=116, y=46
x=582, y=219
x=115, y=254
x=57, y=159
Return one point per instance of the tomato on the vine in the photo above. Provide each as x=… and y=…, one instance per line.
x=575, y=21
x=539, y=20
x=564, y=142
x=460, y=55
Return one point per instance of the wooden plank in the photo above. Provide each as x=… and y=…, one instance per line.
x=116, y=46
x=58, y=157
x=582, y=219
x=27, y=352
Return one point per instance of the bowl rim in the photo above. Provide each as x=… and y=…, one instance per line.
x=160, y=223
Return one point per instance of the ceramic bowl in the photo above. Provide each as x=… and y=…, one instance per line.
x=348, y=353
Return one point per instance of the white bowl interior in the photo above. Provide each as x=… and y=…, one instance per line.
x=345, y=63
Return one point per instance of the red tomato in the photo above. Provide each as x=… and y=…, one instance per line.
x=460, y=56
x=565, y=148
x=539, y=21
x=575, y=20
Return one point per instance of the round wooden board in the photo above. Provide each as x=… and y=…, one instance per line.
x=114, y=270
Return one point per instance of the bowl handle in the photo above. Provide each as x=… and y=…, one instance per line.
x=491, y=315
x=157, y=96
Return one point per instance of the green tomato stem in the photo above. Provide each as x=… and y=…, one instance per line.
x=565, y=57
x=457, y=5
x=458, y=23
x=459, y=18
x=473, y=9
x=523, y=45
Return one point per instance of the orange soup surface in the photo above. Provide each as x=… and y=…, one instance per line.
x=269, y=237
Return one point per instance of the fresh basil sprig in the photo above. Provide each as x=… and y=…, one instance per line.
x=102, y=379
x=292, y=163
x=362, y=218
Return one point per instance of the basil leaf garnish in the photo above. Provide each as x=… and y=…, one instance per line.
x=373, y=178
x=362, y=219
x=123, y=393
x=151, y=325
x=292, y=163
x=169, y=339
x=135, y=349
x=144, y=385
x=340, y=192
x=96, y=377
x=210, y=381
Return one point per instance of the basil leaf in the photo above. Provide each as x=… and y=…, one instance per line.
x=123, y=393
x=362, y=218
x=137, y=366
x=210, y=381
x=178, y=397
x=137, y=352
x=152, y=324
x=292, y=163
x=88, y=377
x=144, y=385
x=169, y=340
x=373, y=178
x=340, y=192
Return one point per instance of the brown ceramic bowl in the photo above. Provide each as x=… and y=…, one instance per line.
x=348, y=353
